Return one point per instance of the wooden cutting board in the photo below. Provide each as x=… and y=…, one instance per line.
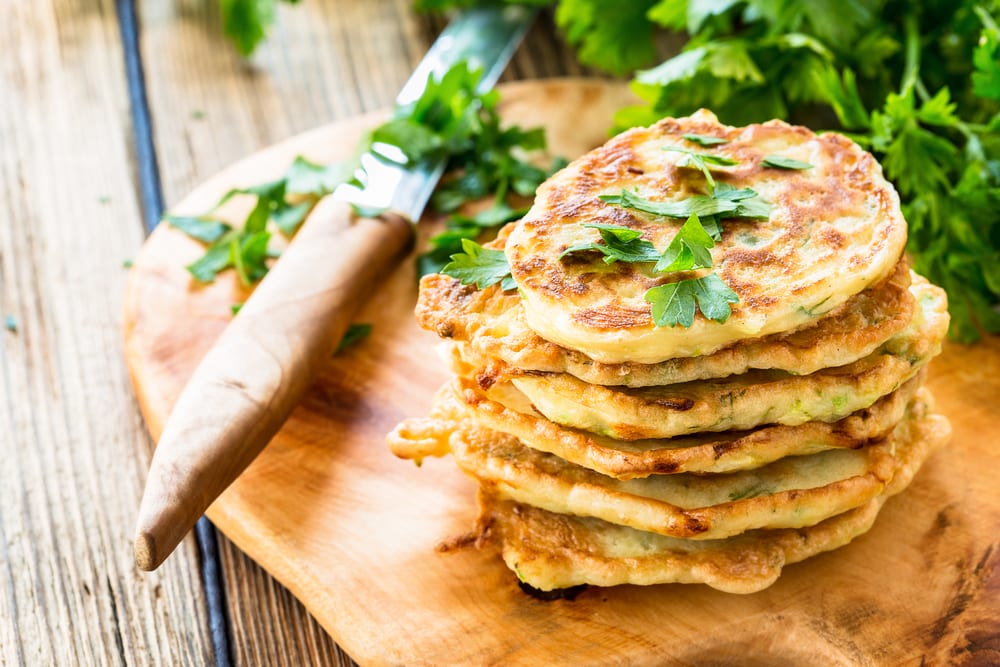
x=352, y=531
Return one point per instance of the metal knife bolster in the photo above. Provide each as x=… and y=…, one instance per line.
x=486, y=38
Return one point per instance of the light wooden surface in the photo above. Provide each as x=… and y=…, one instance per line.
x=352, y=531
x=73, y=449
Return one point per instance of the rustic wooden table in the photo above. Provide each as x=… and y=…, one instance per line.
x=98, y=129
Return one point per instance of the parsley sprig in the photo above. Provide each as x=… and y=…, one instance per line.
x=726, y=201
x=705, y=140
x=284, y=202
x=356, y=332
x=782, y=162
x=619, y=244
x=480, y=266
x=673, y=303
x=701, y=162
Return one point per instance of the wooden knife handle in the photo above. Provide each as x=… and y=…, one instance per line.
x=261, y=366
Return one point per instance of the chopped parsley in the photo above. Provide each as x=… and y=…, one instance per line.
x=450, y=120
x=480, y=266
x=619, y=244
x=245, y=248
x=705, y=140
x=355, y=333
x=674, y=303
x=782, y=162
x=726, y=202
x=701, y=161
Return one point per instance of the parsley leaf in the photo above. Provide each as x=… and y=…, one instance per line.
x=674, y=303
x=355, y=333
x=248, y=255
x=782, y=162
x=246, y=22
x=703, y=158
x=599, y=28
x=728, y=202
x=619, y=244
x=218, y=257
x=203, y=229
x=701, y=205
x=705, y=140
x=701, y=161
x=986, y=58
x=309, y=178
x=480, y=266
x=688, y=250
x=714, y=297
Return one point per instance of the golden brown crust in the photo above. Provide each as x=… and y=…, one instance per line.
x=742, y=401
x=834, y=229
x=793, y=492
x=496, y=339
x=550, y=551
x=704, y=453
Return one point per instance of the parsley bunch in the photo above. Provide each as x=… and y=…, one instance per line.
x=918, y=85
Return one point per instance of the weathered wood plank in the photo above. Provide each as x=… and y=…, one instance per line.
x=323, y=61
x=72, y=444
x=262, y=605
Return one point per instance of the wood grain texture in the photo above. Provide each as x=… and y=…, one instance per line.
x=283, y=632
x=73, y=449
x=352, y=531
x=324, y=61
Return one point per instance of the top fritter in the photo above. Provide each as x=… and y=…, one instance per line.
x=797, y=239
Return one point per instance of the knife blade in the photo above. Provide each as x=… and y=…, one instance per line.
x=291, y=324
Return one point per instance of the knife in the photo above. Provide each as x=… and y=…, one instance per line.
x=291, y=324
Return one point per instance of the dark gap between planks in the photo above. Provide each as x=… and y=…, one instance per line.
x=151, y=201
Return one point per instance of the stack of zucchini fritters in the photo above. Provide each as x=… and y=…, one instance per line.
x=616, y=438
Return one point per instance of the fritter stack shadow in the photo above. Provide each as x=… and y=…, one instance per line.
x=612, y=448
